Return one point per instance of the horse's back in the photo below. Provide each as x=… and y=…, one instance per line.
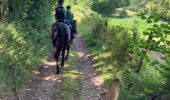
x=61, y=35
x=65, y=29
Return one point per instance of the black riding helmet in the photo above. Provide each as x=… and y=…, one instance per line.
x=60, y=1
x=60, y=14
x=59, y=11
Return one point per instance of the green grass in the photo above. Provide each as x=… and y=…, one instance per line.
x=71, y=83
x=130, y=23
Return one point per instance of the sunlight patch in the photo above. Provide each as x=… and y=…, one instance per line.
x=52, y=77
x=36, y=72
x=47, y=63
x=80, y=54
x=98, y=81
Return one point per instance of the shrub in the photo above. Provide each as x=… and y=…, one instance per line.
x=107, y=7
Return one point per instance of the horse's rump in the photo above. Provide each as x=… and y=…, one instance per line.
x=60, y=35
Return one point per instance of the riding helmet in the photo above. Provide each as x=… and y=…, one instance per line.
x=60, y=1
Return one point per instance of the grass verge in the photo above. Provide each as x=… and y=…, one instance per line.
x=71, y=83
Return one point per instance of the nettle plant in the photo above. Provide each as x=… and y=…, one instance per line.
x=156, y=38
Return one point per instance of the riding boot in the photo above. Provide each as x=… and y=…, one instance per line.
x=71, y=29
x=72, y=33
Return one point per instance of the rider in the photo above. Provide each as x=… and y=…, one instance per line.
x=69, y=13
x=60, y=15
x=70, y=19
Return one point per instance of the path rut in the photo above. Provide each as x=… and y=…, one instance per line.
x=92, y=83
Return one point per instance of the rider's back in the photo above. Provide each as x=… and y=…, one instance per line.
x=60, y=13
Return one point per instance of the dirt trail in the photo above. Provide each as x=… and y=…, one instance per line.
x=91, y=82
x=46, y=85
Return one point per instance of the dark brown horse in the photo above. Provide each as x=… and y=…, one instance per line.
x=61, y=42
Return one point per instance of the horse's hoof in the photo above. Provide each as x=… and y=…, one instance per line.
x=57, y=72
x=62, y=65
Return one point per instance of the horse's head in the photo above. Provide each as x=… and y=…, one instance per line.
x=75, y=22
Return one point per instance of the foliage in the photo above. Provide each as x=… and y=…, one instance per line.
x=18, y=55
x=159, y=8
x=24, y=41
x=107, y=7
x=123, y=14
x=28, y=12
x=156, y=39
x=117, y=48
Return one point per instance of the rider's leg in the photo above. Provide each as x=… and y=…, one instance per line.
x=71, y=28
x=75, y=27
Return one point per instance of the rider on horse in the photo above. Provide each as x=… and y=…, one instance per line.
x=60, y=16
x=61, y=33
x=69, y=14
x=70, y=19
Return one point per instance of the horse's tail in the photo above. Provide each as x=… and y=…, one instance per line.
x=60, y=42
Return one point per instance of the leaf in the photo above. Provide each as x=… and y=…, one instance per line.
x=155, y=25
x=168, y=42
x=163, y=25
x=166, y=31
x=143, y=17
x=156, y=19
x=151, y=17
x=146, y=33
x=149, y=21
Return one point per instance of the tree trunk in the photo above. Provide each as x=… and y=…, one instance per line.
x=140, y=63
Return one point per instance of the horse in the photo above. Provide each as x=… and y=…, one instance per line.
x=61, y=37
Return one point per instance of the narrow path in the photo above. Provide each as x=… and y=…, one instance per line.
x=48, y=86
x=44, y=86
x=91, y=82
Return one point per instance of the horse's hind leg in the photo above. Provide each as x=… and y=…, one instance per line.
x=68, y=50
x=63, y=56
x=57, y=54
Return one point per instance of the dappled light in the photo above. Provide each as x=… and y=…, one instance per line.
x=80, y=54
x=52, y=77
x=97, y=81
x=49, y=63
x=36, y=72
x=123, y=42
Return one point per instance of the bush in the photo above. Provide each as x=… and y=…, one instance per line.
x=20, y=55
x=107, y=7
x=113, y=53
x=24, y=41
x=160, y=8
x=123, y=14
